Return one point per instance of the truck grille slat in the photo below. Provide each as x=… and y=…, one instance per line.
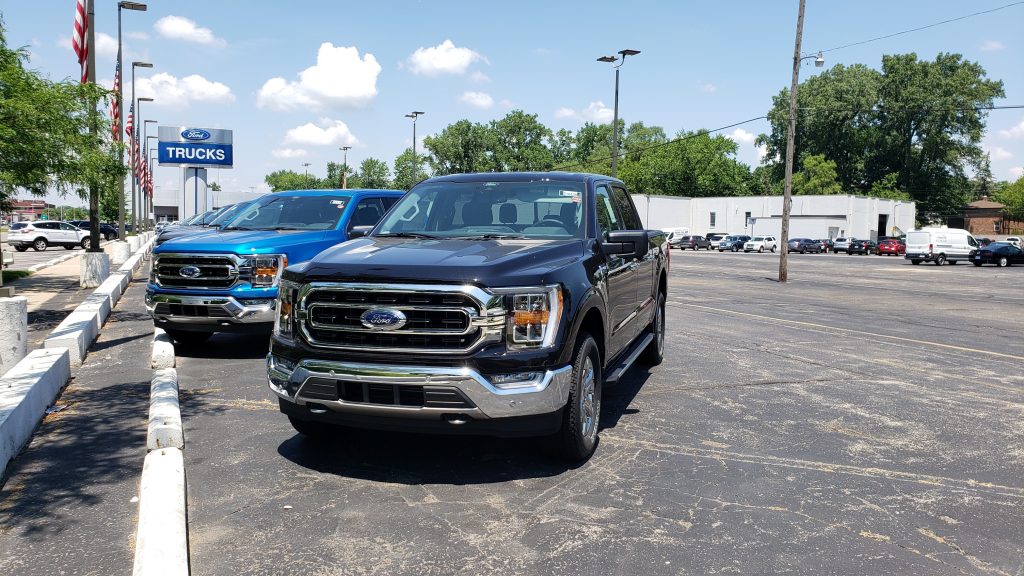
x=319, y=388
x=214, y=272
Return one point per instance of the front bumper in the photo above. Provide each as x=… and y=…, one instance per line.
x=546, y=393
x=210, y=313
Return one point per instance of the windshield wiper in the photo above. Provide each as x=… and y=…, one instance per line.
x=492, y=237
x=284, y=228
x=237, y=228
x=405, y=235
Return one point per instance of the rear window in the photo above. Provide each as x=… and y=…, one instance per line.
x=18, y=226
x=758, y=239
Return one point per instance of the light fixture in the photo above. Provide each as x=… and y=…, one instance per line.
x=132, y=6
x=819, y=60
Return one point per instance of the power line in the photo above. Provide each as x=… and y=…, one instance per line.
x=919, y=28
x=873, y=108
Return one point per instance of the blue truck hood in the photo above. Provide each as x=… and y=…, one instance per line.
x=249, y=242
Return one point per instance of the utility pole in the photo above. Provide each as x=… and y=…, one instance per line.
x=787, y=197
x=344, y=167
x=94, y=191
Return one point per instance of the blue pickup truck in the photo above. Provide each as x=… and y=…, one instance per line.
x=226, y=280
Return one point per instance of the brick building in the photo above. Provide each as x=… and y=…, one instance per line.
x=22, y=210
x=984, y=217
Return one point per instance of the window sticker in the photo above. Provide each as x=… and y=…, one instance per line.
x=339, y=203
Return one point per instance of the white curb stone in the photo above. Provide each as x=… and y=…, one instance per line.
x=13, y=331
x=164, y=412
x=131, y=264
x=25, y=392
x=161, y=541
x=112, y=288
x=119, y=252
x=163, y=350
x=95, y=267
x=133, y=243
x=76, y=333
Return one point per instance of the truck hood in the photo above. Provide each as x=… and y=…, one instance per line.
x=242, y=241
x=487, y=262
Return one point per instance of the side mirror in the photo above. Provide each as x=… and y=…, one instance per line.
x=359, y=232
x=629, y=242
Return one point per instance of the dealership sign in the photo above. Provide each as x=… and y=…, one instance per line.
x=198, y=147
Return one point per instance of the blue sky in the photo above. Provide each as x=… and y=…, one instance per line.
x=296, y=80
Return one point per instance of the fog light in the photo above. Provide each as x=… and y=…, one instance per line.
x=514, y=380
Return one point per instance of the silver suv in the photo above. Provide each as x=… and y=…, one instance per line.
x=841, y=244
x=40, y=234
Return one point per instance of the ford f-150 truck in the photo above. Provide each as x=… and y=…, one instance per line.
x=226, y=280
x=495, y=304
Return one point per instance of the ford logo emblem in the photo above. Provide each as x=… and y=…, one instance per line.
x=383, y=319
x=189, y=272
x=195, y=134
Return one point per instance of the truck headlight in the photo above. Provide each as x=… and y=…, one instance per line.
x=284, y=320
x=264, y=270
x=533, y=315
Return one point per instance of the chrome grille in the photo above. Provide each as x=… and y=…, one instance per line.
x=215, y=271
x=438, y=319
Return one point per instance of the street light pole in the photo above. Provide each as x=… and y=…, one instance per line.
x=415, y=159
x=145, y=154
x=139, y=127
x=305, y=166
x=120, y=105
x=344, y=167
x=615, y=118
x=131, y=155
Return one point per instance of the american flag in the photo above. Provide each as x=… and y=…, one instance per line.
x=115, y=105
x=79, y=39
x=138, y=160
x=128, y=123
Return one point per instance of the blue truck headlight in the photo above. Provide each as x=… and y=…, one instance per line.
x=284, y=320
x=264, y=270
x=533, y=316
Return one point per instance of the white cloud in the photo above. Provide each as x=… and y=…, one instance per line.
x=762, y=151
x=1000, y=153
x=594, y=112
x=1014, y=132
x=137, y=35
x=480, y=100
x=505, y=103
x=741, y=136
x=288, y=152
x=181, y=28
x=329, y=132
x=480, y=77
x=1017, y=171
x=707, y=87
x=445, y=58
x=171, y=92
x=992, y=46
x=339, y=78
x=106, y=45
x=564, y=112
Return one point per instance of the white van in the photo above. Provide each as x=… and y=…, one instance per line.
x=940, y=245
x=675, y=235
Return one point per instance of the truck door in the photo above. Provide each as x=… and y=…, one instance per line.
x=620, y=275
x=644, y=267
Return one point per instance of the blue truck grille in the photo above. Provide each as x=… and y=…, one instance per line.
x=195, y=271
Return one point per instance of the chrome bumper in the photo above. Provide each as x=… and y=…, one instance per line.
x=235, y=311
x=546, y=393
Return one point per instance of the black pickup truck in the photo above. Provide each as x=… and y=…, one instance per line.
x=494, y=304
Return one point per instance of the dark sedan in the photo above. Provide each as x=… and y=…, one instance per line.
x=892, y=247
x=107, y=231
x=694, y=243
x=999, y=253
x=804, y=245
x=862, y=247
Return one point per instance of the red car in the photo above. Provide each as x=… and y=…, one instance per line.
x=894, y=247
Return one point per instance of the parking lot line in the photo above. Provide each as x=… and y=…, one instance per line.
x=849, y=331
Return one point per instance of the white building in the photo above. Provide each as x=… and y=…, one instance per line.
x=810, y=216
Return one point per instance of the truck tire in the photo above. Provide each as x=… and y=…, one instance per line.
x=773, y=249
x=21, y=248
x=577, y=439
x=655, y=351
x=86, y=243
x=188, y=338
x=1003, y=262
x=915, y=262
x=940, y=259
x=760, y=249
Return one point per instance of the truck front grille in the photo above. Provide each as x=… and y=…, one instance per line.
x=385, y=394
x=214, y=272
x=190, y=310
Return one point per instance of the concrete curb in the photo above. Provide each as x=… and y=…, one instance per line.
x=164, y=412
x=163, y=350
x=25, y=392
x=161, y=541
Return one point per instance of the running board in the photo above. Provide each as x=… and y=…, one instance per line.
x=624, y=365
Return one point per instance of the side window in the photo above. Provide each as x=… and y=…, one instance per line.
x=607, y=219
x=627, y=212
x=367, y=213
x=972, y=241
x=47, y=225
x=389, y=202
x=64, y=226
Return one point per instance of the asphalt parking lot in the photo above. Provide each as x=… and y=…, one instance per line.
x=865, y=418
x=29, y=258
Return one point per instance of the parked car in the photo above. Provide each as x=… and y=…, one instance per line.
x=223, y=217
x=804, y=245
x=1001, y=254
x=826, y=244
x=761, y=243
x=862, y=247
x=892, y=247
x=940, y=245
x=694, y=243
x=226, y=281
x=472, y=308
x=983, y=241
x=40, y=234
x=733, y=243
x=716, y=240
x=107, y=231
x=841, y=244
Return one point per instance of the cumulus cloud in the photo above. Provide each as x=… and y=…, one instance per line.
x=171, y=92
x=1000, y=153
x=106, y=45
x=445, y=58
x=992, y=46
x=595, y=112
x=328, y=132
x=480, y=100
x=1016, y=131
x=181, y=28
x=340, y=78
x=479, y=77
x=1017, y=171
x=741, y=136
x=288, y=152
x=564, y=112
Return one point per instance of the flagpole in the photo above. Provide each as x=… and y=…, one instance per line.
x=131, y=148
x=119, y=130
x=94, y=193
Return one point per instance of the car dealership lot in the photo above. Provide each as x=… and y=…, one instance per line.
x=867, y=417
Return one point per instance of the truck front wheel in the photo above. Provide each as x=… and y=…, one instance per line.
x=577, y=439
x=655, y=351
x=188, y=338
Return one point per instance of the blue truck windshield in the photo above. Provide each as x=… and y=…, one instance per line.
x=550, y=210
x=292, y=213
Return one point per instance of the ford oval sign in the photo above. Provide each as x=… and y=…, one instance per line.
x=195, y=134
x=189, y=272
x=383, y=319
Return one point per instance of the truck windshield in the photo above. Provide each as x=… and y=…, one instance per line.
x=547, y=210
x=284, y=212
x=228, y=214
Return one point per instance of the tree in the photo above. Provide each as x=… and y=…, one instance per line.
x=215, y=187
x=695, y=164
x=460, y=148
x=1013, y=197
x=374, y=173
x=519, y=143
x=287, y=180
x=405, y=175
x=818, y=177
